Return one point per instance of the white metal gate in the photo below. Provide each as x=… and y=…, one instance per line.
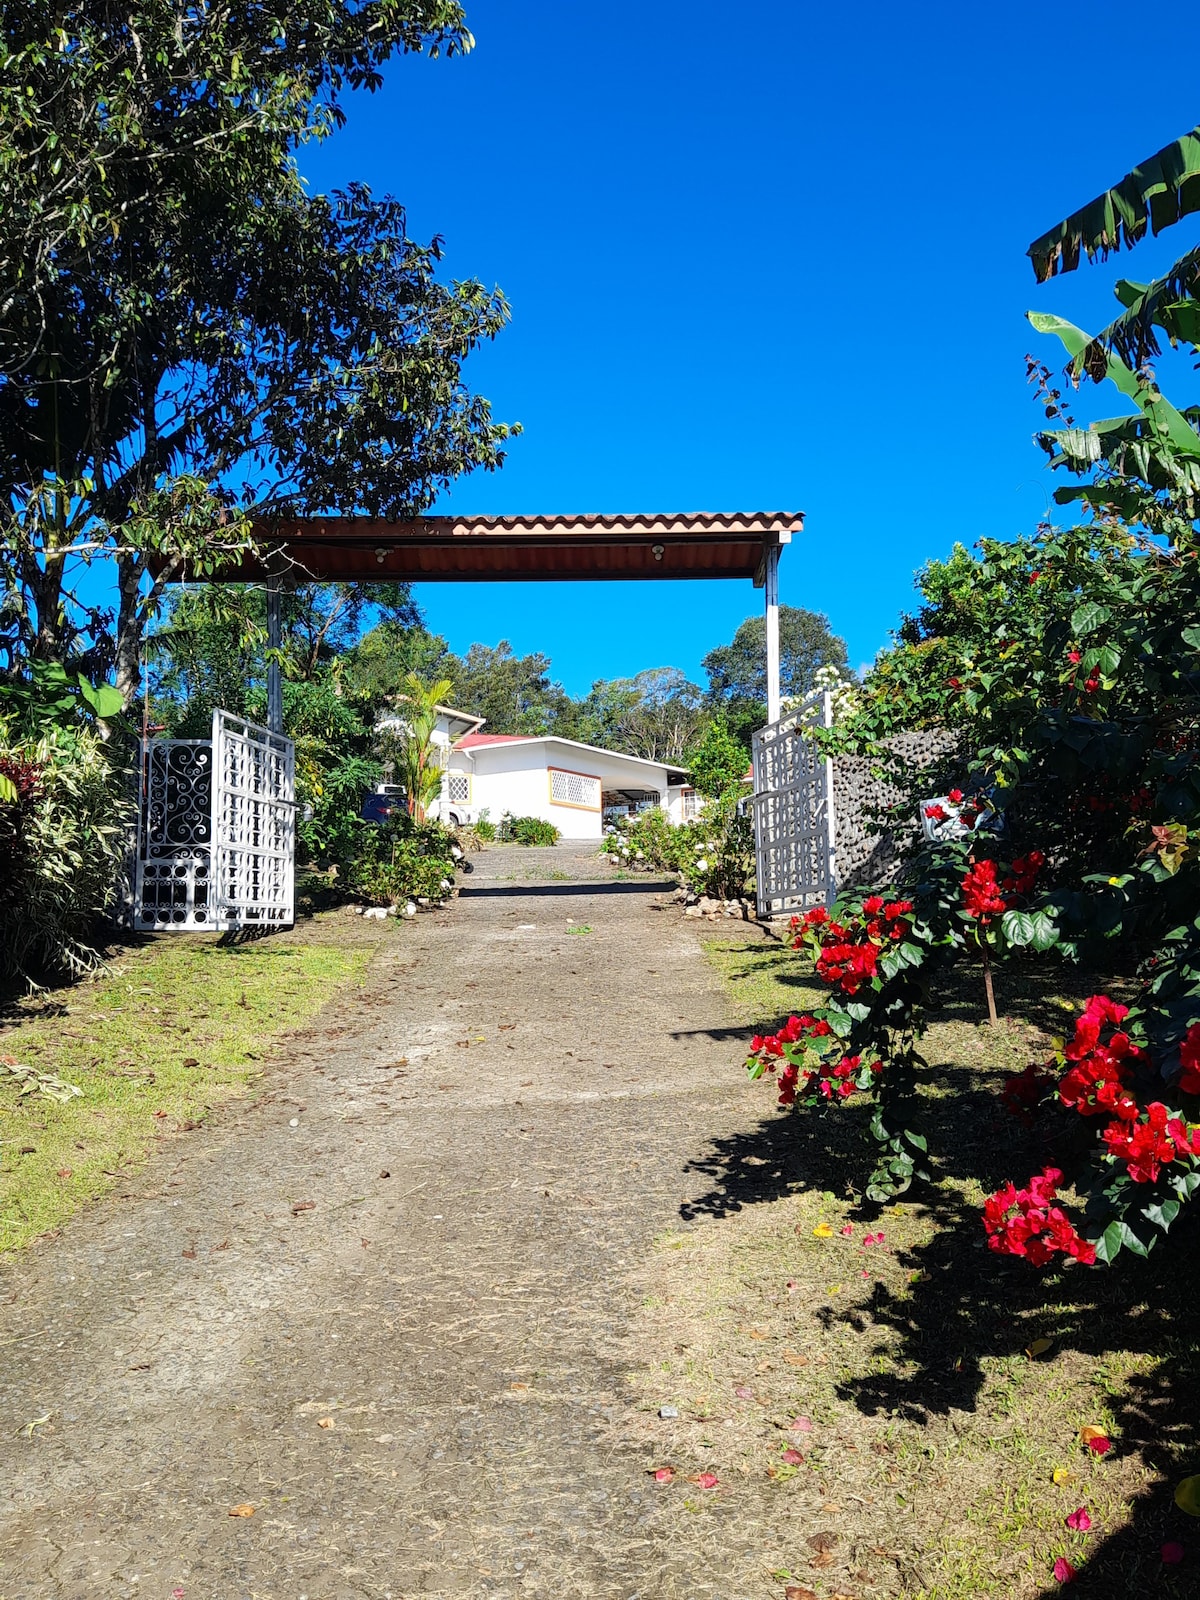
x=793, y=812
x=216, y=837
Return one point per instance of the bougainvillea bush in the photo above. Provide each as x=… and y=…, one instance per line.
x=1071, y=662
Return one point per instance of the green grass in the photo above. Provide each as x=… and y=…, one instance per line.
x=179, y=1028
x=935, y=1432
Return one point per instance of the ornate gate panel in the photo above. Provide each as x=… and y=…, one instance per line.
x=216, y=831
x=793, y=813
x=254, y=824
x=172, y=881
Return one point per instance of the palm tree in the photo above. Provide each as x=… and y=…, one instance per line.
x=418, y=764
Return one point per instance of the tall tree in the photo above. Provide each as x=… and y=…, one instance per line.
x=737, y=672
x=514, y=693
x=188, y=339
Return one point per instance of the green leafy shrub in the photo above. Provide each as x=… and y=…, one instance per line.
x=714, y=855
x=63, y=841
x=335, y=832
x=526, y=830
x=485, y=828
x=404, y=860
x=717, y=762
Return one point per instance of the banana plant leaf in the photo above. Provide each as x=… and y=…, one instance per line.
x=1170, y=425
x=1154, y=195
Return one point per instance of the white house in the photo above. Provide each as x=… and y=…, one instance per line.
x=575, y=786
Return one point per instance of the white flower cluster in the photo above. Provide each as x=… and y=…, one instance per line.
x=844, y=692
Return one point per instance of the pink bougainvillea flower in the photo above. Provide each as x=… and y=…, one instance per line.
x=801, y=1425
x=1172, y=1552
x=1063, y=1570
x=793, y=1458
x=866, y=1274
x=744, y=1392
x=1079, y=1520
x=848, y=1230
x=705, y=1480
x=663, y=1474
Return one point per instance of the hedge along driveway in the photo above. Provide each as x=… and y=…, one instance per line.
x=180, y=1027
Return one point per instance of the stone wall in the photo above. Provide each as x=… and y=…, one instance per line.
x=868, y=851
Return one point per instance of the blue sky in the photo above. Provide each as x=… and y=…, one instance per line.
x=764, y=257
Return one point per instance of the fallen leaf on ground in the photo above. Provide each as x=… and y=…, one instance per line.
x=1187, y=1495
x=831, y=1507
x=792, y=1458
x=1096, y=1440
x=190, y=1061
x=1039, y=1347
x=324, y=1422
x=303, y=1205
x=27, y=1429
x=244, y=1510
x=705, y=1480
x=793, y=1360
x=519, y=1387
x=822, y=1541
x=797, y=1591
x=190, y=1253
x=823, y=1231
x=823, y=1558
x=744, y=1392
x=1061, y=1475
x=801, y=1425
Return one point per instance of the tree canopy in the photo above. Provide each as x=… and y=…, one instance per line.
x=188, y=337
x=737, y=672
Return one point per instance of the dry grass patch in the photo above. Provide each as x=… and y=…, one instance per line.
x=899, y=1371
x=181, y=1026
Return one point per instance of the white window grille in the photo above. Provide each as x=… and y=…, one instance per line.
x=690, y=809
x=578, y=789
x=458, y=788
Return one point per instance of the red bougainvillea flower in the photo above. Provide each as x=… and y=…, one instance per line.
x=1091, y=684
x=1064, y=1572
x=1099, y=1444
x=935, y=813
x=1099, y=1067
x=1146, y=1146
x=1027, y=1222
x=1074, y=657
x=705, y=1480
x=1023, y=873
x=1024, y=1091
x=955, y=797
x=981, y=893
x=1189, y=1060
x=1172, y=1552
x=792, y=1458
x=1078, y=1520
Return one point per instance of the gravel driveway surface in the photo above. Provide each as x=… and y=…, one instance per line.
x=386, y=1304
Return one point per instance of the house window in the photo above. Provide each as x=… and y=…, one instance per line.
x=689, y=806
x=458, y=788
x=578, y=789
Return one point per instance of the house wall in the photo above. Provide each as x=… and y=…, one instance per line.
x=516, y=778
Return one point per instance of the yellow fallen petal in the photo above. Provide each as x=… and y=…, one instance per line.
x=823, y=1231
x=1187, y=1495
x=835, y=1288
x=1061, y=1475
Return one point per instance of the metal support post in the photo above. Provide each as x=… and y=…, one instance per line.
x=274, y=640
x=771, y=587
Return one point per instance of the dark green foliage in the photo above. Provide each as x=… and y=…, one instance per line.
x=526, y=830
x=737, y=672
x=190, y=335
x=402, y=860
x=717, y=761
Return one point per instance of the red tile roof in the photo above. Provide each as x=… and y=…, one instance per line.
x=472, y=741
x=692, y=544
